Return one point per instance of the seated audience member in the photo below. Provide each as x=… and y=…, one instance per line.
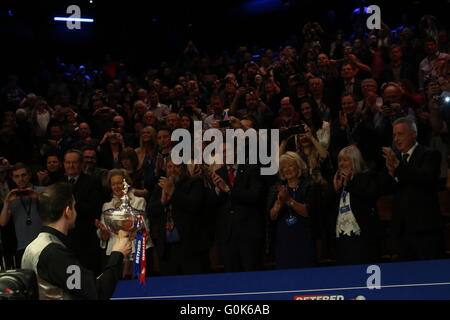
x=50, y=256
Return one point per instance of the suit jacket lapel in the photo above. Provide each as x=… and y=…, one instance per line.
x=416, y=155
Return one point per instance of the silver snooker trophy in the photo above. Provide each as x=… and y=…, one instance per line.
x=131, y=220
x=124, y=217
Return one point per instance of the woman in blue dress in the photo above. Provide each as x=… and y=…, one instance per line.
x=293, y=211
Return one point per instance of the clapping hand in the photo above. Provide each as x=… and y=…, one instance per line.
x=391, y=160
x=283, y=195
x=219, y=182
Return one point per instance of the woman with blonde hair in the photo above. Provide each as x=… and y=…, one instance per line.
x=147, y=155
x=147, y=146
x=311, y=151
x=294, y=209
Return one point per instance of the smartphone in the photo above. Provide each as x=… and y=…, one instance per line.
x=22, y=193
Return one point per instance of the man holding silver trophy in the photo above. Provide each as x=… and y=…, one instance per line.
x=59, y=272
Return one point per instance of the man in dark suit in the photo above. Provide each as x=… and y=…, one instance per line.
x=88, y=198
x=239, y=224
x=398, y=69
x=349, y=83
x=178, y=200
x=416, y=217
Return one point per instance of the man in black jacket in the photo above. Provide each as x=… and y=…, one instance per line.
x=88, y=196
x=60, y=274
x=178, y=201
x=398, y=69
x=416, y=217
x=239, y=224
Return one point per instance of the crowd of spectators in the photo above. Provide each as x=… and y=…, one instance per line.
x=339, y=106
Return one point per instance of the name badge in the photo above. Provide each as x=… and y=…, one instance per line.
x=291, y=220
x=344, y=209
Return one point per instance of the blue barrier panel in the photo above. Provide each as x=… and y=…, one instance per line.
x=421, y=280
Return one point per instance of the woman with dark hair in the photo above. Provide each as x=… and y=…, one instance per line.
x=309, y=114
x=129, y=161
x=109, y=150
x=187, y=122
x=355, y=220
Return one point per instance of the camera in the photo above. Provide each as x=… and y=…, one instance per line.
x=292, y=131
x=19, y=284
x=22, y=193
x=112, y=135
x=300, y=129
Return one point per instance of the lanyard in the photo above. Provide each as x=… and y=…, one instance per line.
x=27, y=210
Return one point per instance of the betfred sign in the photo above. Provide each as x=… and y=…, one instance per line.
x=320, y=297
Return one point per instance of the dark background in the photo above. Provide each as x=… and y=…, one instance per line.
x=143, y=33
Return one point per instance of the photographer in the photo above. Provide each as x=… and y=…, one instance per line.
x=20, y=204
x=109, y=150
x=392, y=109
x=255, y=107
x=301, y=140
x=219, y=113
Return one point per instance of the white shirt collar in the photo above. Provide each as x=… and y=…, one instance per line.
x=410, y=151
